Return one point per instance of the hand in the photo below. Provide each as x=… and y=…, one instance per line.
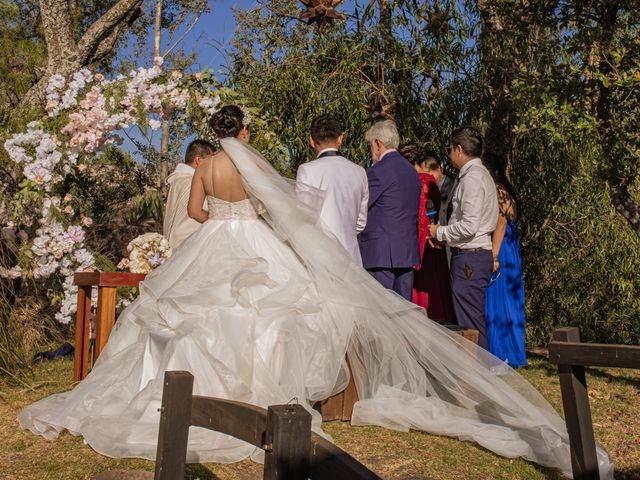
x=434, y=243
x=496, y=264
x=433, y=230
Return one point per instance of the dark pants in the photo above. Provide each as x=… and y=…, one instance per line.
x=470, y=275
x=400, y=280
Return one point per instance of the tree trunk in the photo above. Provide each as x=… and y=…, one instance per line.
x=164, y=141
x=621, y=198
x=499, y=131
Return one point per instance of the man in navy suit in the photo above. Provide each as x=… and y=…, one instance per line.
x=389, y=242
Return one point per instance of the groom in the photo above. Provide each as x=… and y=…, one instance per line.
x=177, y=225
x=344, y=210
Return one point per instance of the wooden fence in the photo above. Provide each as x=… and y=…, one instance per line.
x=292, y=451
x=571, y=356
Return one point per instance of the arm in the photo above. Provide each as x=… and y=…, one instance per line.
x=506, y=210
x=375, y=186
x=472, y=196
x=301, y=179
x=496, y=240
x=364, y=207
x=197, y=197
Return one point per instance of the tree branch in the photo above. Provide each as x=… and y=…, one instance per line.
x=107, y=44
x=103, y=28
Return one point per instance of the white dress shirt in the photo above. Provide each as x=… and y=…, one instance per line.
x=345, y=206
x=475, y=209
x=177, y=225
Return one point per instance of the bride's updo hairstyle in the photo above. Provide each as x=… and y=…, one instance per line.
x=227, y=122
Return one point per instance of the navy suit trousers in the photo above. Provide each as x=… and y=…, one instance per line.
x=400, y=280
x=470, y=276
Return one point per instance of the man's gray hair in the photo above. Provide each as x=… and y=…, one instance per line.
x=385, y=131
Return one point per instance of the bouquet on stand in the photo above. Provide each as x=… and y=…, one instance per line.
x=146, y=252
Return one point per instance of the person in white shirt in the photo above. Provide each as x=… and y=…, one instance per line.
x=468, y=234
x=344, y=210
x=177, y=225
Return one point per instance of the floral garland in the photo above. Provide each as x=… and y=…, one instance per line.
x=91, y=109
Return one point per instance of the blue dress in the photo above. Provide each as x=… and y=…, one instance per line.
x=504, y=304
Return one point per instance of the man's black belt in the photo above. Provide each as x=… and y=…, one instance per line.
x=457, y=251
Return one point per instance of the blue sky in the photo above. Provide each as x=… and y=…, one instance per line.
x=214, y=29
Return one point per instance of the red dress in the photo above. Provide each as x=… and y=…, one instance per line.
x=431, y=288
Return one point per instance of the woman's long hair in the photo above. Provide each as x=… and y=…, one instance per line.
x=497, y=166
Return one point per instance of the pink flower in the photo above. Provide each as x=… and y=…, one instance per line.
x=68, y=210
x=86, y=221
x=67, y=198
x=99, y=77
x=123, y=264
x=82, y=167
x=199, y=76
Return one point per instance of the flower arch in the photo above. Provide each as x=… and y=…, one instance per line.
x=84, y=115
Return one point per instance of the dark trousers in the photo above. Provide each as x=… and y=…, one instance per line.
x=470, y=275
x=400, y=280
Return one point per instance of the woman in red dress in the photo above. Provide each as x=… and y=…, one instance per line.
x=431, y=289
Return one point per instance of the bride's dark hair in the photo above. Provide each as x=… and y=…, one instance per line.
x=227, y=122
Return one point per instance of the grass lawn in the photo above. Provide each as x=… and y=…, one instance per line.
x=615, y=404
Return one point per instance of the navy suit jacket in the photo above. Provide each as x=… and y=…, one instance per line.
x=390, y=239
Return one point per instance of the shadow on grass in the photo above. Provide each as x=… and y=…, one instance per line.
x=197, y=471
x=633, y=474
x=549, y=473
x=551, y=370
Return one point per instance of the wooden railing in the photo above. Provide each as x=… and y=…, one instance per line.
x=571, y=356
x=107, y=284
x=292, y=451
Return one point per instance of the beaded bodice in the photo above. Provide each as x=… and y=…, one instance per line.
x=223, y=210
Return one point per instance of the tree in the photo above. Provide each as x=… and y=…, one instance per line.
x=383, y=60
x=67, y=51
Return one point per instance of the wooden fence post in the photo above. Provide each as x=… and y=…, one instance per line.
x=288, y=443
x=175, y=419
x=575, y=401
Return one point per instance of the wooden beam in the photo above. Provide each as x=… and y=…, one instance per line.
x=329, y=462
x=288, y=443
x=83, y=325
x=594, y=354
x=240, y=420
x=108, y=279
x=575, y=401
x=173, y=436
x=105, y=318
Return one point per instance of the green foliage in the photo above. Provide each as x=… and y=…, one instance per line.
x=581, y=261
x=20, y=59
x=352, y=70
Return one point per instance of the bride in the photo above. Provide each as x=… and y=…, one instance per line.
x=261, y=307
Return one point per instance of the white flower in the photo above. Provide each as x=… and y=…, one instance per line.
x=12, y=273
x=210, y=105
x=154, y=124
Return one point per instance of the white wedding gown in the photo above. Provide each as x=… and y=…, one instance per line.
x=262, y=309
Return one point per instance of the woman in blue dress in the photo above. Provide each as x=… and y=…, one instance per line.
x=504, y=305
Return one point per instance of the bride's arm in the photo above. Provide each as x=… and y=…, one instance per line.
x=196, y=199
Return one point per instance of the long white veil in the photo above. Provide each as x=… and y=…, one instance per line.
x=410, y=372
